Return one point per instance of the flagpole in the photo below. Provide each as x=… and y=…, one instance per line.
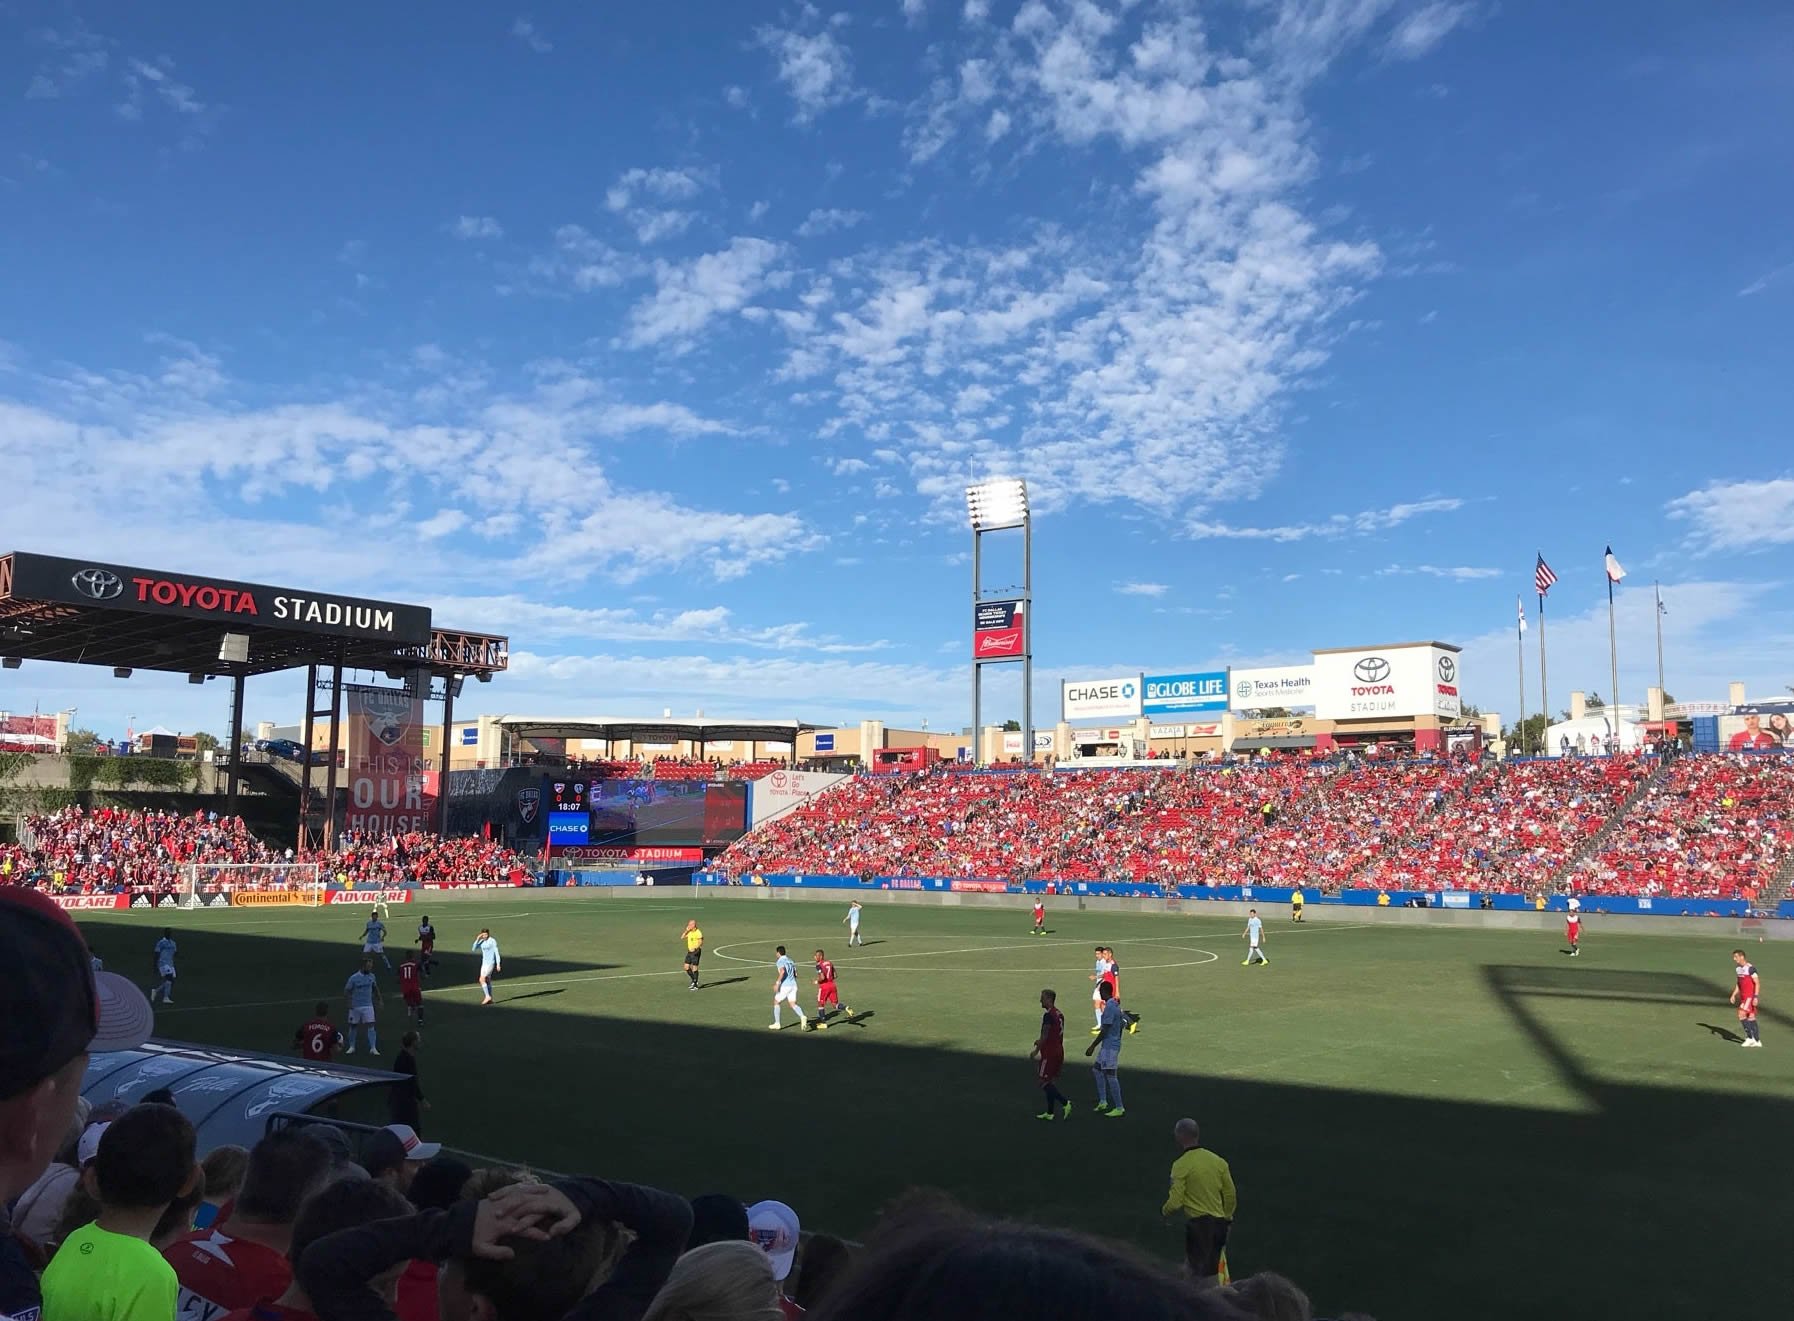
x=1520, y=660
x=1544, y=686
x=1657, y=591
x=1613, y=656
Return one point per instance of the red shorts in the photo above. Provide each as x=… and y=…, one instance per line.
x=414, y=1000
x=1574, y=931
x=1747, y=1008
x=826, y=994
x=1050, y=1065
x=428, y=947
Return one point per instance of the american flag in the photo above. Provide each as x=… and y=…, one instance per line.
x=1542, y=577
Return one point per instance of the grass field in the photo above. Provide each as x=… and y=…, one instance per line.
x=1422, y=1123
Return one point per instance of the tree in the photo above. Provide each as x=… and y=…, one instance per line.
x=205, y=743
x=1593, y=702
x=1012, y=726
x=1273, y=713
x=1528, y=735
x=81, y=742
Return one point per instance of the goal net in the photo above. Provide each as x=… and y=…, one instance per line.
x=213, y=884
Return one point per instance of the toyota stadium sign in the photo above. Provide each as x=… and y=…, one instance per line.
x=1101, y=699
x=1387, y=682
x=157, y=592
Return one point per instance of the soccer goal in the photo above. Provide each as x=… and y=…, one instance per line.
x=213, y=884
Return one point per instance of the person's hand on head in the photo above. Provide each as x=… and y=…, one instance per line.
x=535, y=1202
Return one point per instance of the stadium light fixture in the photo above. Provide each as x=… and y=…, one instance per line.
x=10, y=662
x=998, y=503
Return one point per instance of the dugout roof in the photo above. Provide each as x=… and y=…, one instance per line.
x=640, y=729
x=95, y=613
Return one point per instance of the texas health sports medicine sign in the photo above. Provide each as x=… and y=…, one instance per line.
x=1175, y=694
x=1117, y=698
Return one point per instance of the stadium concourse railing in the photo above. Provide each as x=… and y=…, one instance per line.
x=1647, y=906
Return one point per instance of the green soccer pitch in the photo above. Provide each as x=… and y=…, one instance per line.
x=1422, y=1122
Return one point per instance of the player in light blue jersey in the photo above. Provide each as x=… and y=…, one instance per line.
x=1107, y=1049
x=162, y=991
x=784, y=990
x=1254, y=936
x=490, y=962
x=853, y=924
x=373, y=940
x=363, y=994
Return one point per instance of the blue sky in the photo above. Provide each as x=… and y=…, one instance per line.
x=665, y=338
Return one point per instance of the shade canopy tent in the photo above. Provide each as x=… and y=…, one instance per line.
x=642, y=729
x=1632, y=734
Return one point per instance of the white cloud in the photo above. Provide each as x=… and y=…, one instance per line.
x=1457, y=574
x=530, y=35
x=477, y=227
x=828, y=221
x=1738, y=515
x=814, y=67
x=691, y=294
x=1762, y=282
x=1339, y=525
x=78, y=56
x=914, y=10
x=1425, y=28
x=1142, y=589
x=848, y=467
x=442, y=523
x=653, y=223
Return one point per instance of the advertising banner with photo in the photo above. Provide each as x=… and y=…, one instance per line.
x=782, y=790
x=1759, y=727
x=998, y=630
x=1116, y=698
x=1177, y=694
x=1281, y=685
x=1385, y=682
x=386, y=763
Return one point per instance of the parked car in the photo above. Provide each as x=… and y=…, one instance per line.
x=284, y=748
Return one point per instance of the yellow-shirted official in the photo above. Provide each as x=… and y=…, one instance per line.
x=1202, y=1193
x=694, y=951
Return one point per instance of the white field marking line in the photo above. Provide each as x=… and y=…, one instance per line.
x=1018, y=942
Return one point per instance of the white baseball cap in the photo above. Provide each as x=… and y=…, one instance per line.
x=415, y=1147
x=773, y=1226
x=89, y=1145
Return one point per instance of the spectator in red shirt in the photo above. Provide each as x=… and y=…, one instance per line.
x=345, y=1204
x=244, y=1259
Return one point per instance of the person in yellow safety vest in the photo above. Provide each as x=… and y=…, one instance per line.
x=1296, y=900
x=1202, y=1194
x=1382, y=898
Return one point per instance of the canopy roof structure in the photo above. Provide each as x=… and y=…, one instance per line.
x=644, y=729
x=96, y=613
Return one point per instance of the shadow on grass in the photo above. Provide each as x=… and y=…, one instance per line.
x=1724, y=1033
x=727, y=981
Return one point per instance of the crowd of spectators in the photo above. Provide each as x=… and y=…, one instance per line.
x=1711, y=826
x=105, y=850
x=1716, y=827
x=674, y=768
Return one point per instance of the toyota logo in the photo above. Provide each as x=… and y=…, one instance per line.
x=1448, y=670
x=1372, y=669
x=98, y=584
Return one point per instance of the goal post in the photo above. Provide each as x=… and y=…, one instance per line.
x=211, y=884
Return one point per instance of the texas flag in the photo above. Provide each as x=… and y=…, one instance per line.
x=1614, y=571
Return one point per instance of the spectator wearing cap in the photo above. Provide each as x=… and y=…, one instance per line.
x=559, y=1238
x=34, y=1214
x=245, y=1258
x=437, y=1187
x=58, y=1009
x=107, y=1270
x=395, y=1154
x=774, y=1227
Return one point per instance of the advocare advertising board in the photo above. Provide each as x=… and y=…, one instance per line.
x=1280, y=685
x=1386, y=682
x=998, y=630
x=1116, y=698
x=1174, y=694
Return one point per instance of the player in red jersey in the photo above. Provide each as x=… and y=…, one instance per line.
x=411, y=986
x=1744, y=995
x=1573, y=926
x=426, y=944
x=1130, y=1023
x=1049, y=1055
x=1039, y=918
x=318, y=1039
x=827, y=993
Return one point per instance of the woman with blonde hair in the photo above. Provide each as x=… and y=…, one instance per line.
x=729, y=1281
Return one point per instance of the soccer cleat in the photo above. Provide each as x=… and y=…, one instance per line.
x=822, y=1027
x=846, y=1012
x=374, y=1053
x=1096, y=1031
x=1115, y=1113
x=1067, y=1112
x=1133, y=1027
x=1102, y=1107
x=1245, y=963
x=349, y=1051
x=1047, y=1115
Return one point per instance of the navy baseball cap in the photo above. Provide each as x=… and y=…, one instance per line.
x=63, y=1007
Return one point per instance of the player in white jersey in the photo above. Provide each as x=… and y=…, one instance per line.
x=490, y=962
x=1254, y=936
x=373, y=939
x=784, y=990
x=1097, y=977
x=363, y=994
x=853, y=923
x=163, y=989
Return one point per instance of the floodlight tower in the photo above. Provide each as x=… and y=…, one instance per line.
x=1002, y=629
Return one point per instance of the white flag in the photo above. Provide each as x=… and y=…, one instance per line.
x=1614, y=571
x=1521, y=607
